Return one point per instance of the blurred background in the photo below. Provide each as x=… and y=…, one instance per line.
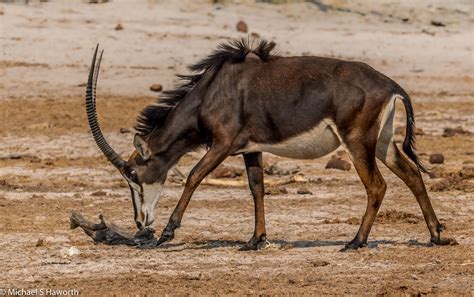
x=148, y=41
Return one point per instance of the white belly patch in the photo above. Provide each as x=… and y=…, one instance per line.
x=312, y=144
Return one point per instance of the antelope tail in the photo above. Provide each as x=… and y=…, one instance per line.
x=409, y=142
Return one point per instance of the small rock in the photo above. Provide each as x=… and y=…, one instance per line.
x=276, y=190
x=292, y=281
x=436, y=158
x=156, y=88
x=99, y=193
x=319, y=263
x=399, y=130
x=353, y=221
x=402, y=130
x=125, y=130
x=449, y=132
x=331, y=221
x=277, y=170
x=193, y=276
x=227, y=171
x=40, y=126
x=119, y=27
x=341, y=153
x=70, y=252
x=255, y=35
x=338, y=163
x=242, y=27
x=428, y=32
x=303, y=191
x=438, y=24
x=467, y=169
x=14, y=156
x=419, y=131
x=40, y=242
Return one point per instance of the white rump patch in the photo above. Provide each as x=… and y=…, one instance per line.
x=385, y=137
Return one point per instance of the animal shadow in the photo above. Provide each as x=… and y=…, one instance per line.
x=273, y=244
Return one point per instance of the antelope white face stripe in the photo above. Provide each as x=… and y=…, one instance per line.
x=136, y=202
x=150, y=196
x=145, y=199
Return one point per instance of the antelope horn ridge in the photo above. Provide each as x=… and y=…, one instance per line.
x=109, y=153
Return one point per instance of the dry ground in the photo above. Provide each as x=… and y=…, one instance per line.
x=50, y=166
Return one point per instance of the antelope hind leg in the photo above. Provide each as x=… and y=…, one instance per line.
x=362, y=152
x=390, y=155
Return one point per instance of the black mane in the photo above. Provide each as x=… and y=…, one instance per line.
x=235, y=51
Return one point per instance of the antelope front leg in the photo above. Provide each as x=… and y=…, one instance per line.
x=254, y=166
x=216, y=154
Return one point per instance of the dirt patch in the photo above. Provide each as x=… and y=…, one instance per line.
x=395, y=216
x=350, y=221
x=450, y=183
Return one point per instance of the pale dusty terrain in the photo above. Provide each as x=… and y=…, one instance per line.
x=49, y=164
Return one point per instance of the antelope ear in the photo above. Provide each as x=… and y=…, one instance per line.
x=142, y=147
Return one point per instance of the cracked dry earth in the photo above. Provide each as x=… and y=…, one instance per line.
x=50, y=166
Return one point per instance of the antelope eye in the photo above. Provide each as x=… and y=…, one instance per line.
x=133, y=174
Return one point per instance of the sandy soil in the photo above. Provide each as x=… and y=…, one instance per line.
x=50, y=166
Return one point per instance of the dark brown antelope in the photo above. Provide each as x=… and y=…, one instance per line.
x=245, y=100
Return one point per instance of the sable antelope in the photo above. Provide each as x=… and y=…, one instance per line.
x=242, y=99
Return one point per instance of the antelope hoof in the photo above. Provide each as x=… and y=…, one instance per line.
x=256, y=244
x=445, y=241
x=353, y=245
x=165, y=236
x=163, y=239
x=436, y=240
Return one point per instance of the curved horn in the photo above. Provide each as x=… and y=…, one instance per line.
x=111, y=155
